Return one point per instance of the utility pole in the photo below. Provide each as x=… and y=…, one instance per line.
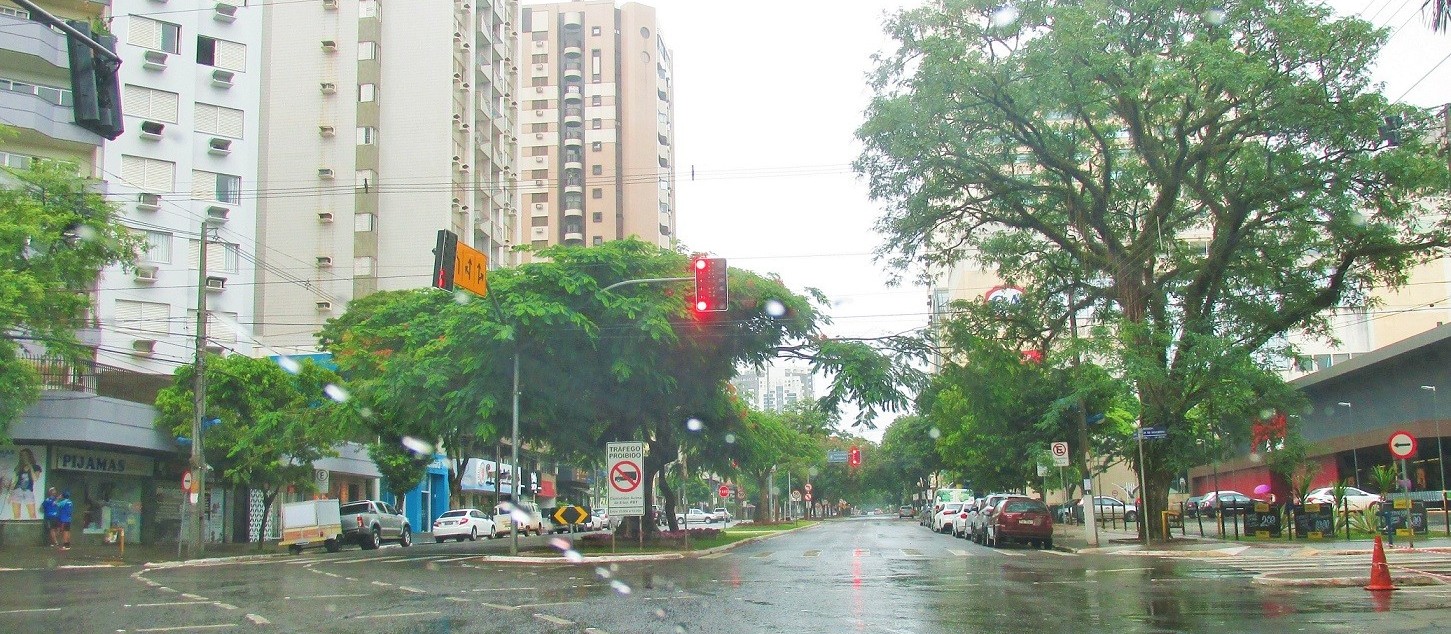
x=199, y=403
x=514, y=449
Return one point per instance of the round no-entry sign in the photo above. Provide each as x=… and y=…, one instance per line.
x=186, y=481
x=724, y=491
x=1403, y=445
x=625, y=477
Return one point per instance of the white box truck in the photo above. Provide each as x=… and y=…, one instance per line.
x=311, y=523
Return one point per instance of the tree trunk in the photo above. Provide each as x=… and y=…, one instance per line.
x=763, y=506
x=267, y=500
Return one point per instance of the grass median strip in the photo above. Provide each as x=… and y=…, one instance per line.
x=630, y=546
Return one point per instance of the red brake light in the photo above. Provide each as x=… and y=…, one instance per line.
x=360, y=520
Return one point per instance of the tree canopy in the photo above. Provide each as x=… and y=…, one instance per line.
x=56, y=235
x=1202, y=178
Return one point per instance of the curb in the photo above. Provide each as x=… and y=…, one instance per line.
x=1273, y=579
x=210, y=561
x=603, y=559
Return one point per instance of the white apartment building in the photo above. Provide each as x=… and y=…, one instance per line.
x=190, y=80
x=385, y=122
x=776, y=387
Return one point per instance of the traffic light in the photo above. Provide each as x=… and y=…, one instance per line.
x=712, y=289
x=854, y=456
x=95, y=87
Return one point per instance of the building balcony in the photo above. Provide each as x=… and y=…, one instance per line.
x=31, y=46
x=573, y=49
x=574, y=187
x=31, y=112
x=574, y=139
x=573, y=164
x=574, y=213
x=573, y=72
x=573, y=95
x=573, y=237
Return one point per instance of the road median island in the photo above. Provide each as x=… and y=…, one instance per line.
x=596, y=550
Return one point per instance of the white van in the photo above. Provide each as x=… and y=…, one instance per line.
x=505, y=521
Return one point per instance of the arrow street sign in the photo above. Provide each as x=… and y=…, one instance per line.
x=1403, y=445
x=1060, y=454
x=571, y=514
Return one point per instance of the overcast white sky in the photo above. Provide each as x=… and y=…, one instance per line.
x=768, y=97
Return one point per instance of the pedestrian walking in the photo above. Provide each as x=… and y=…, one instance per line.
x=50, y=509
x=64, y=510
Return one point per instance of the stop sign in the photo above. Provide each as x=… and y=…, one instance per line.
x=724, y=491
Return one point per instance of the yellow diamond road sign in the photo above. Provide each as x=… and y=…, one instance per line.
x=571, y=514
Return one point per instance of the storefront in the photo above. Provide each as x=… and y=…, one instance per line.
x=110, y=489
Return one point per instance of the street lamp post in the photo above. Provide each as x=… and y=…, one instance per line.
x=1440, y=455
x=1354, y=452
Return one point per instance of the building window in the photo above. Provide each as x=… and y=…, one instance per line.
x=367, y=8
x=539, y=150
x=367, y=92
x=364, y=179
x=538, y=127
x=363, y=265
x=150, y=103
x=597, y=240
x=539, y=197
x=222, y=257
x=539, y=104
x=597, y=170
x=149, y=318
x=148, y=174
x=57, y=96
x=158, y=247
x=594, y=30
x=596, y=146
x=539, y=174
x=16, y=161
x=367, y=50
x=15, y=13
x=539, y=81
x=597, y=193
x=154, y=34
x=213, y=186
x=367, y=135
x=596, y=124
x=541, y=58
x=596, y=100
x=218, y=120
x=364, y=223
x=597, y=216
x=595, y=64
x=221, y=53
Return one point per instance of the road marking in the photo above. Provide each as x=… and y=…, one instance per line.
x=196, y=597
x=165, y=589
x=409, y=589
x=459, y=599
x=546, y=605
x=383, y=583
x=1060, y=553
x=911, y=552
x=393, y=616
x=215, y=626
x=553, y=619
x=710, y=556
x=399, y=560
x=442, y=561
x=1009, y=553
x=498, y=589
x=83, y=566
x=591, y=630
x=811, y=553
x=224, y=606
x=30, y=610
x=332, y=574
x=1091, y=572
x=163, y=604
x=497, y=606
x=258, y=620
x=325, y=596
x=360, y=561
x=761, y=555
x=959, y=553
x=861, y=552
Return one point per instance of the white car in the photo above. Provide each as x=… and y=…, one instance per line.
x=978, y=519
x=721, y=514
x=525, y=514
x=959, y=521
x=942, y=520
x=1355, y=499
x=463, y=523
x=694, y=516
x=599, y=519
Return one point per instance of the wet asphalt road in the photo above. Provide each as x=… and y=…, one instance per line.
x=861, y=575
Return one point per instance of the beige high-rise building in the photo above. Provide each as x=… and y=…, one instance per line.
x=384, y=123
x=596, y=141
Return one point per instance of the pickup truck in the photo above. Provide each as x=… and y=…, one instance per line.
x=369, y=522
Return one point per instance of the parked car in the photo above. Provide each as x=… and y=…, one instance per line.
x=905, y=511
x=694, y=516
x=977, y=520
x=370, y=522
x=1112, y=508
x=721, y=514
x=942, y=521
x=463, y=524
x=1023, y=520
x=1355, y=499
x=599, y=519
x=1226, y=501
x=959, y=521
x=1192, y=506
x=524, y=515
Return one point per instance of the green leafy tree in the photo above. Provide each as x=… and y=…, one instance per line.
x=272, y=423
x=401, y=467
x=769, y=444
x=1204, y=178
x=909, y=456
x=56, y=235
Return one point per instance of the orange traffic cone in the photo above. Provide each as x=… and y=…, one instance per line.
x=1380, y=571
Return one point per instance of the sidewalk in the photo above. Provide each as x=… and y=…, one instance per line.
x=98, y=555
x=1073, y=538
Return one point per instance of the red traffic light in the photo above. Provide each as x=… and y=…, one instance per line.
x=854, y=456
x=711, y=285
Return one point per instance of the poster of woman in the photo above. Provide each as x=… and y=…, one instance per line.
x=22, y=482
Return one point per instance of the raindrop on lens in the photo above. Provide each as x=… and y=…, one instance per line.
x=935, y=433
x=730, y=439
x=290, y=364
x=560, y=543
x=659, y=613
x=573, y=556
x=1266, y=414
x=620, y=586
x=603, y=572
x=1215, y=16
x=775, y=309
x=694, y=424
x=336, y=393
x=1005, y=15
x=813, y=472
x=461, y=297
x=418, y=446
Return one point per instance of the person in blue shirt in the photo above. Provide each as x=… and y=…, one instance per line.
x=64, y=510
x=50, y=508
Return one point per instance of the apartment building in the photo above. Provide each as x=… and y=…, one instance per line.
x=386, y=122
x=775, y=387
x=596, y=125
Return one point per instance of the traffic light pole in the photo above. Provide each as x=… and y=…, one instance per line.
x=651, y=280
x=41, y=15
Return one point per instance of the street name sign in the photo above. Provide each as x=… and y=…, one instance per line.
x=1153, y=433
x=836, y=456
x=1060, y=454
x=1402, y=444
x=626, y=474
